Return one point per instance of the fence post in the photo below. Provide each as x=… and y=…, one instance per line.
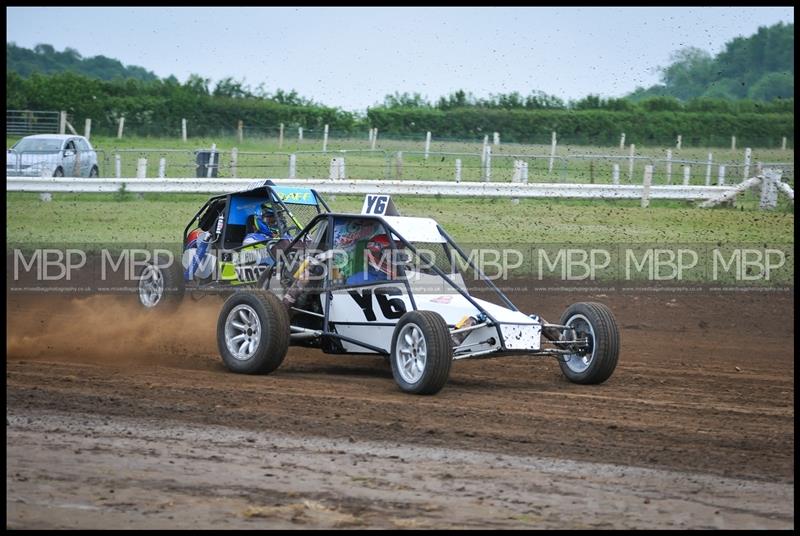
x=708, y=169
x=280, y=137
x=721, y=176
x=292, y=166
x=234, y=161
x=488, y=167
x=483, y=151
x=517, y=176
x=622, y=141
x=118, y=166
x=399, y=165
x=552, y=153
x=162, y=167
x=141, y=168
x=121, y=126
x=371, y=130
x=333, y=172
x=87, y=128
x=374, y=138
x=342, y=174
x=733, y=143
x=759, y=168
x=748, y=152
x=211, y=160
x=496, y=140
x=669, y=166
x=299, y=134
x=427, y=144
x=648, y=180
x=183, y=129
x=687, y=175
x=458, y=170
x=525, y=172
x=615, y=174
x=769, y=189
x=783, y=144
x=62, y=123
x=325, y=139
x=240, y=131
x=630, y=163
x=678, y=144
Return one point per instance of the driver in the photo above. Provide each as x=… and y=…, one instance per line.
x=266, y=225
x=378, y=255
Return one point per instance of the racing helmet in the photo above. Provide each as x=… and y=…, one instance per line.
x=379, y=253
x=193, y=237
x=266, y=219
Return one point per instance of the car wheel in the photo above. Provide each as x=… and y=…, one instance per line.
x=422, y=352
x=94, y=173
x=253, y=332
x=595, y=362
x=161, y=285
x=58, y=172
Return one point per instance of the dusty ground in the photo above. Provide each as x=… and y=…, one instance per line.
x=118, y=418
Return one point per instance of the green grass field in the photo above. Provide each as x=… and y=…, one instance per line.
x=113, y=221
x=162, y=217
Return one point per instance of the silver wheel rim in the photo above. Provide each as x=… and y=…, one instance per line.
x=151, y=286
x=242, y=332
x=412, y=353
x=579, y=362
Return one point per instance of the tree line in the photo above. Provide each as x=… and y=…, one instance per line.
x=756, y=106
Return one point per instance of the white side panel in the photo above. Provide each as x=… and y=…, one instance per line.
x=380, y=336
x=519, y=337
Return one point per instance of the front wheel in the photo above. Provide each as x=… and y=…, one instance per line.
x=58, y=172
x=94, y=172
x=422, y=352
x=596, y=350
x=253, y=332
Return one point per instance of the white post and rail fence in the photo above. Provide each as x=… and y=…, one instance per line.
x=770, y=183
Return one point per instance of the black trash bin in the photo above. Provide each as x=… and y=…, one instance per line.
x=203, y=160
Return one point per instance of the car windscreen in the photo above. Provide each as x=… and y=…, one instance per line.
x=33, y=145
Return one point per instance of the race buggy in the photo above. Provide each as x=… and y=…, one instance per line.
x=381, y=284
x=216, y=254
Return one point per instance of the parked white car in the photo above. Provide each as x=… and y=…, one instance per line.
x=52, y=155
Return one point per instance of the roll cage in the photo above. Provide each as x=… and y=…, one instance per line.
x=217, y=211
x=327, y=287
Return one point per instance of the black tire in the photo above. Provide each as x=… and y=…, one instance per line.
x=269, y=338
x=58, y=172
x=438, y=353
x=595, y=321
x=94, y=172
x=166, y=288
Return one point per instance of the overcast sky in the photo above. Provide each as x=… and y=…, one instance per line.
x=352, y=57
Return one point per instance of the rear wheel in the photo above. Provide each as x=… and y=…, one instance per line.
x=595, y=360
x=422, y=352
x=253, y=332
x=94, y=172
x=161, y=284
x=58, y=172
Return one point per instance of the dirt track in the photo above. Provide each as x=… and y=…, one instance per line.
x=698, y=416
